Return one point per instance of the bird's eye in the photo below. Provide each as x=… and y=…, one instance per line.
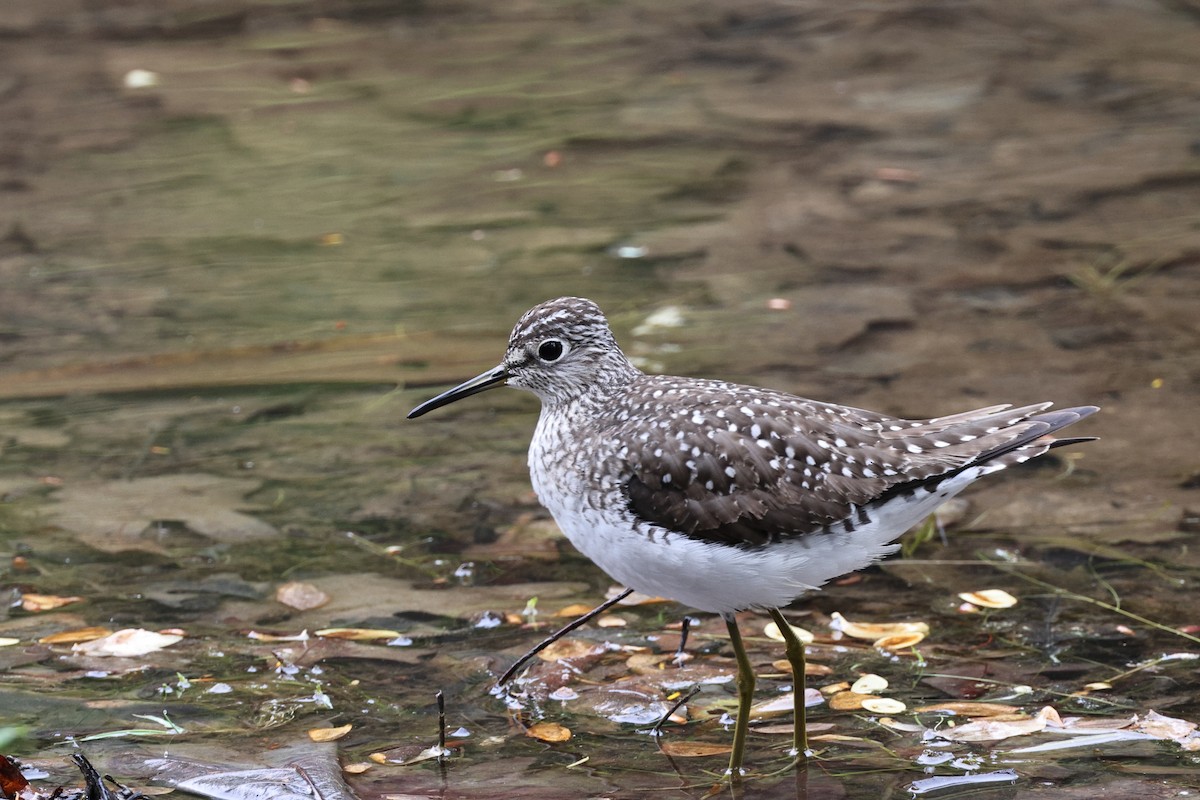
x=551, y=350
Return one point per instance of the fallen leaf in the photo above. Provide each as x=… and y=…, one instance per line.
x=8, y=641
x=611, y=621
x=1164, y=727
x=329, y=734
x=12, y=782
x=642, y=663
x=409, y=754
x=776, y=706
x=127, y=643
x=357, y=634
x=300, y=595
x=898, y=641
x=548, y=732
x=302, y=636
x=46, y=602
x=784, y=704
x=989, y=598
x=574, y=610
x=875, y=630
x=849, y=701
x=991, y=730
x=76, y=636
x=570, y=648
x=883, y=705
x=818, y=670
x=869, y=684
x=357, y=768
x=969, y=709
x=695, y=749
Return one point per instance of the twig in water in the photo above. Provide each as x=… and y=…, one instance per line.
x=561, y=632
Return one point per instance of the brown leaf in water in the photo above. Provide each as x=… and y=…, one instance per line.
x=695, y=749
x=818, y=670
x=570, y=648
x=969, y=709
x=329, y=734
x=548, y=732
x=849, y=701
x=357, y=634
x=11, y=780
x=301, y=595
x=46, y=602
x=76, y=636
x=875, y=630
x=573, y=610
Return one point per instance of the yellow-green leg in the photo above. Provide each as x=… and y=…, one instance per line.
x=795, y=657
x=745, y=690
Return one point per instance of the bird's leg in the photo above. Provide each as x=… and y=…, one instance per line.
x=795, y=657
x=561, y=632
x=681, y=652
x=745, y=689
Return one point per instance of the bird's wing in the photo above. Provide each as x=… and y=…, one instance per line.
x=750, y=466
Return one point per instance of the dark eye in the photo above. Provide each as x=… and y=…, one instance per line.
x=551, y=350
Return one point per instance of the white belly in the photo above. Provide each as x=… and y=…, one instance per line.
x=721, y=578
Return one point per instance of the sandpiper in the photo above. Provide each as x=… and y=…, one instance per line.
x=727, y=497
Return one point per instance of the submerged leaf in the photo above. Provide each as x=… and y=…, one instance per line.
x=76, y=636
x=300, y=595
x=869, y=684
x=876, y=630
x=570, y=648
x=548, y=732
x=329, y=734
x=695, y=749
x=989, y=598
x=46, y=602
x=883, y=705
x=357, y=634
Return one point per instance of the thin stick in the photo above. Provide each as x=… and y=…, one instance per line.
x=691, y=693
x=561, y=632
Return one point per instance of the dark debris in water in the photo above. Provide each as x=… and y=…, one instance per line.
x=14, y=786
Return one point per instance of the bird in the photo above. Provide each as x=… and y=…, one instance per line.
x=727, y=497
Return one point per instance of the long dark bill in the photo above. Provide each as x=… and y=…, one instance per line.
x=480, y=383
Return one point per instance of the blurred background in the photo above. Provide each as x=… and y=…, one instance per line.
x=239, y=239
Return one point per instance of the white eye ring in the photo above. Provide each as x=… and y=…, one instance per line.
x=551, y=350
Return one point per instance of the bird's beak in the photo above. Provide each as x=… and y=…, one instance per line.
x=497, y=376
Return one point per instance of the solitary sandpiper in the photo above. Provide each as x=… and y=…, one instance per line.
x=727, y=497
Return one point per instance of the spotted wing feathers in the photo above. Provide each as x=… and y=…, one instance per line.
x=749, y=466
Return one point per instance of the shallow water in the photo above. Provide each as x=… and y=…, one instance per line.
x=214, y=285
